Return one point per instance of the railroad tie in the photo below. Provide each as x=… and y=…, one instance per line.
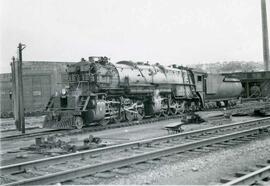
x=124, y=170
x=230, y=142
x=202, y=150
x=241, y=173
x=244, y=139
x=140, y=166
x=226, y=179
x=170, y=157
x=220, y=145
x=106, y=174
x=261, y=165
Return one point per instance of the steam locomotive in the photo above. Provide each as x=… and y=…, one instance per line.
x=100, y=92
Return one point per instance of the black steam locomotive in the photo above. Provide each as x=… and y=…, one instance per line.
x=102, y=92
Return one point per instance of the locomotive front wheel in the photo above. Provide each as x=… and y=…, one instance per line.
x=130, y=116
x=78, y=122
x=140, y=114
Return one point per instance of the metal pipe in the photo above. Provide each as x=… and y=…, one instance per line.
x=265, y=36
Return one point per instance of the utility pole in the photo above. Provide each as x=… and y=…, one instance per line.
x=265, y=36
x=18, y=89
x=21, y=102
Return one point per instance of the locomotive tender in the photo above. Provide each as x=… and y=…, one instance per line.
x=101, y=92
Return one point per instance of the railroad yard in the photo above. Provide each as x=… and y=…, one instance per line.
x=225, y=142
x=135, y=93
x=211, y=152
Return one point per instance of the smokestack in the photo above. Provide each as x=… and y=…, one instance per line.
x=265, y=36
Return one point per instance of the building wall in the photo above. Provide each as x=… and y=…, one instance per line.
x=41, y=80
x=56, y=71
x=5, y=90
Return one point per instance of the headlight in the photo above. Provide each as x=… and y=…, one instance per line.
x=64, y=91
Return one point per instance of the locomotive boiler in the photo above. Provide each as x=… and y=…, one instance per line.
x=100, y=92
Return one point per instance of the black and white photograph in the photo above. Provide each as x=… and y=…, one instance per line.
x=134, y=92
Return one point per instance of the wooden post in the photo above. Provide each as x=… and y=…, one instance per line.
x=14, y=94
x=20, y=89
x=17, y=96
x=17, y=85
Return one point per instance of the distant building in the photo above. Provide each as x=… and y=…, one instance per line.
x=41, y=80
x=255, y=84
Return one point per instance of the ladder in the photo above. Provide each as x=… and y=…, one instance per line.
x=84, y=103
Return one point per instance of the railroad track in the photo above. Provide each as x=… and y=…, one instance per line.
x=114, y=158
x=13, y=130
x=255, y=176
x=62, y=132
x=94, y=128
x=248, y=108
x=29, y=135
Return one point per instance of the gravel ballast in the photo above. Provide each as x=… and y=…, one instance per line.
x=200, y=168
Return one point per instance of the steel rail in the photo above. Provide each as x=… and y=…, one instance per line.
x=250, y=178
x=33, y=134
x=12, y=130
x=105, y=166
x=78, y=155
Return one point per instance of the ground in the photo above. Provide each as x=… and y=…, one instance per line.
x=201, y=168
x=198, y=168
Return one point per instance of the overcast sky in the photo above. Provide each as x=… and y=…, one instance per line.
x=165, y=31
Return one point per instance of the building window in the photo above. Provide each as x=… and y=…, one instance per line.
x=199, y=78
